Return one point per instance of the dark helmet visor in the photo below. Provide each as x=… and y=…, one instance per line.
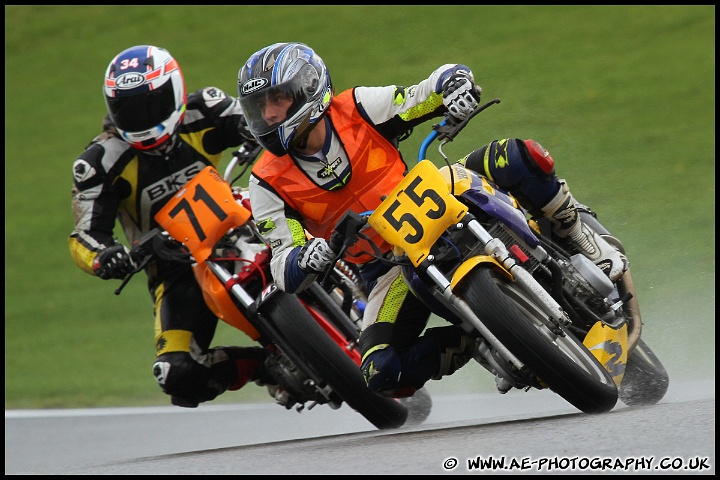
x=144, y=111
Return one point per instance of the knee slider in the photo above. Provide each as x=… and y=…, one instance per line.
x=538, y=157
x=178, y=374
x=396, y=374
x=382, y=369
x=492, y=159
x=439, y=352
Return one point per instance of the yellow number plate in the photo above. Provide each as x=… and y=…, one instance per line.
x=417, y=212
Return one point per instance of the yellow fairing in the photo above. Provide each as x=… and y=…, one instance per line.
x=463, y=181
x=610, y=348
x=468, y=265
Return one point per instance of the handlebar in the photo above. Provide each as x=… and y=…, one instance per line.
x=347, y=230
x=244, y=156
x=154, y=244
x=448, y=129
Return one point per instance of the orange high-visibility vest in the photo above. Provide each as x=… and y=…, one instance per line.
x=377, y=168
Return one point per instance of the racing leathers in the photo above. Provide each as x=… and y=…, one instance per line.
x=113, y=181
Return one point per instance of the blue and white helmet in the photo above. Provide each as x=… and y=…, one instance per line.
x=296, y=70
x=145, y=96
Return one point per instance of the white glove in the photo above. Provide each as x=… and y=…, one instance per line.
x=461, y=95
x=316, y=256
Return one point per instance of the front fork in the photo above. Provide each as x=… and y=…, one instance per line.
x=498, y=255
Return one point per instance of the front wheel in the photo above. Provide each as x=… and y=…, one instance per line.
x=307, y=345
x=555, y=356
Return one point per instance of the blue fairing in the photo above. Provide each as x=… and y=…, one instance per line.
x=499, y=205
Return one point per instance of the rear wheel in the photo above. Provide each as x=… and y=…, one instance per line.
x=645, y=381
x=309, y=347
x=555, y=356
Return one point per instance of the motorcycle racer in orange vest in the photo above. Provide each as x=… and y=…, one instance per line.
x=326, y=154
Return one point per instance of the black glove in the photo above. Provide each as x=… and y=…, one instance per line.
x=113, y=262
x=461, y=95
x=245, y=131
x=316, y=256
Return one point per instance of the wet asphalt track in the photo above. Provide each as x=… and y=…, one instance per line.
x=536, y=431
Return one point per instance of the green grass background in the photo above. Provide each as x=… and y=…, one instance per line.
x=622, y=96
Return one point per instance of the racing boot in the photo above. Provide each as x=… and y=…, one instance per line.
x=281, y=396
x=250, y=364
x=251, y=367
x=566, y=223
x=456, y=349
x=191, y=379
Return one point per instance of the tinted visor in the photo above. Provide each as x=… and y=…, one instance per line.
x=300, y=88
x=254, y=106
x=136, y=113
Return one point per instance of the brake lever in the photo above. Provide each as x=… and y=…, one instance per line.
x=343, y=237
x=449, y=128
x=137, y=269
x=141, y=254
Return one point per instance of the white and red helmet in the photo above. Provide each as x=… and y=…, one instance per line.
x=145, y=96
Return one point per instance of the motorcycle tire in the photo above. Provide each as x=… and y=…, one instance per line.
x=418, y=405
x=645, y=381
x=307, y=344
x=561, y=362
